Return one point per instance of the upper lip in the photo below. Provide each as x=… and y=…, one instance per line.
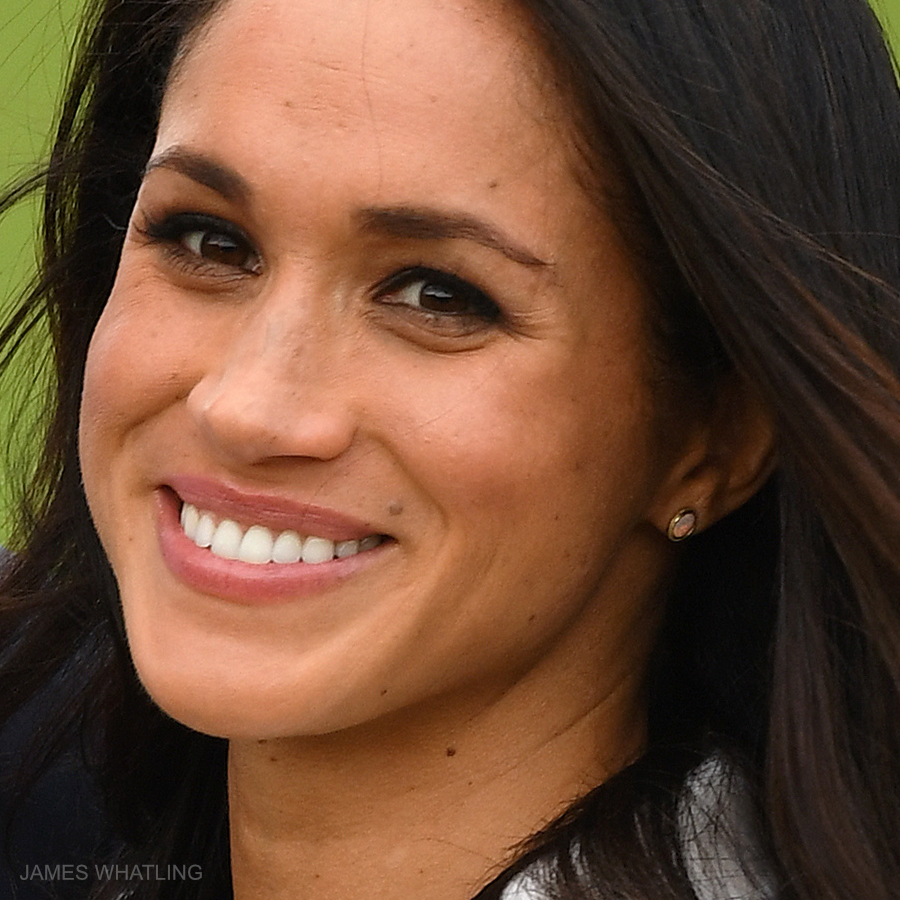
x=276, y=512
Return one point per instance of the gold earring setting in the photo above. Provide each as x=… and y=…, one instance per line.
x=682, y=525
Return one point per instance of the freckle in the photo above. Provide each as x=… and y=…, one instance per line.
x=289, y=104
x=451, y=751
x=532, y=617
x=384, y=692
x=395, y=508
x=273, y=759
x=493, y=185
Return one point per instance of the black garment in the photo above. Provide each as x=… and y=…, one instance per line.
x=57, y=831
x=51, y=838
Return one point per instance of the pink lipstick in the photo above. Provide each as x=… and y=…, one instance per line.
x=258, y=548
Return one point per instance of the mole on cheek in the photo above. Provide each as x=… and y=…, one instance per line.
x=395, y=508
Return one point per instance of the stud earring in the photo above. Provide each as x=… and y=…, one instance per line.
x=682, y=525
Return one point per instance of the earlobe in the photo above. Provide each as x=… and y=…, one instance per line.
x=725, y=460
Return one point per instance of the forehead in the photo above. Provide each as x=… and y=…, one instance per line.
x=444, y=37
x=354, y=56
x=325, y=109
x=442, y=86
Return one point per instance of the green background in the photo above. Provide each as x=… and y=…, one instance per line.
x=34, y=42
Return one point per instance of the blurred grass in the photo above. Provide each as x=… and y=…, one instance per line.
x=34, y=42
x=35, y=37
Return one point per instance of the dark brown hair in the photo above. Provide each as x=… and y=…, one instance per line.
x=760, y=142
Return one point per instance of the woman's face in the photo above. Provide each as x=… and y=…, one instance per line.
x=364, y=302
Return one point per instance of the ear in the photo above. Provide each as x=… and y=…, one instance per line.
x=721, y=461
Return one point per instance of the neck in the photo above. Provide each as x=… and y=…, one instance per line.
x=428, y=802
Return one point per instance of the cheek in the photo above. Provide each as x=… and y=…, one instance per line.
x=109, y=378
x=108, y=385
x=132, y=373
x=137, y=362
x=537, y=438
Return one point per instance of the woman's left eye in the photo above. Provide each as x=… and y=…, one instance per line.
x=437, y=295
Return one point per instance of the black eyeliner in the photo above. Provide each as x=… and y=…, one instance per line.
x=484, y=307
x=169, y=229
x=172, y=226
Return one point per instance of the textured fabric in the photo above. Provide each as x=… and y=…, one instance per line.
x=523, y=887
x=721, y=854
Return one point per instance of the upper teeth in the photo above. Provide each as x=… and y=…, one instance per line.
x=257, y=544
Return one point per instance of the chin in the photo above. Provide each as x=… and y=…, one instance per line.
x=241, y=709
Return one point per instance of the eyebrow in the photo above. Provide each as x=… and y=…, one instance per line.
x=221, y=179
x=430, y=225
x=408, y=222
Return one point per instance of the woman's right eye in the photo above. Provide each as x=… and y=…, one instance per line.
x=220, y=248
x=205, y=242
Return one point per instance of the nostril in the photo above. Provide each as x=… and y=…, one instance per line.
x=250, y=418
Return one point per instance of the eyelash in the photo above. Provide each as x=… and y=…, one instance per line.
x=478, y=307
x=172, y=231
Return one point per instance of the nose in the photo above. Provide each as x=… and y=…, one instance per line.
x=275, y=390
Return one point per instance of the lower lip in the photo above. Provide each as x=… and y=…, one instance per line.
x=249, y=583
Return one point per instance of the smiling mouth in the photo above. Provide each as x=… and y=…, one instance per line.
x=259, y=545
